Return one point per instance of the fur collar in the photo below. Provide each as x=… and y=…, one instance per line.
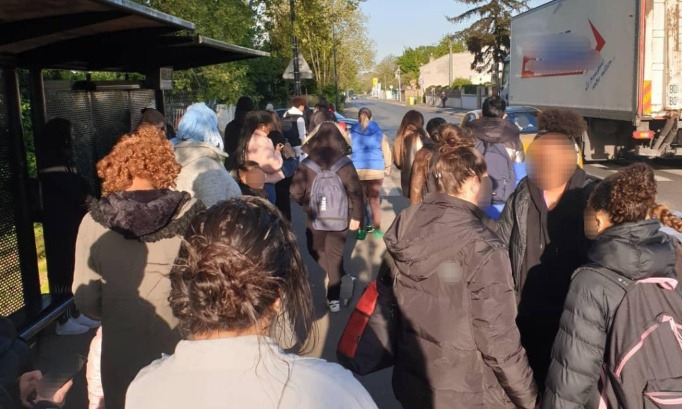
x=147, y=216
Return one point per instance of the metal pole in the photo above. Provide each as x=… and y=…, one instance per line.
x=450, y=80
x=336, y=74
x=400, y=87
x=294, y=44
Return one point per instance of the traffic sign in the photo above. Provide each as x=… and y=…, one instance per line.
x=303, y=67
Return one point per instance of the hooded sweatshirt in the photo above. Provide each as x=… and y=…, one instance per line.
x=203, y=174
x=458, y=345
x=633, y=250
x=498, y=130
x=127, y=245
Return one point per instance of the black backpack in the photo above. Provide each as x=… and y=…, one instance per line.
x=500, y=170
x=290, y=129
x=643, y=360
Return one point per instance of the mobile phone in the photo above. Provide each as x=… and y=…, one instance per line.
x=58, y=373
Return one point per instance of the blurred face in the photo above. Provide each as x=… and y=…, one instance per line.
x=485, y=193
x=595, y=222
x=551, y=161
x=254, y=178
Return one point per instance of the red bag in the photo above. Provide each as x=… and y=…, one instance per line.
x=366, y=345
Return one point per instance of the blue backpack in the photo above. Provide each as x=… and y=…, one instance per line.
x=500, y=170
x=328, y=197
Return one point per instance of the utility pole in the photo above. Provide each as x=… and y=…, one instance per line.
x=294, y=45
x=400, y=87
x=450, y=79
x=336, y=74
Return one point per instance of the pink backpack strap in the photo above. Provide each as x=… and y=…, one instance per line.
x=663, y=282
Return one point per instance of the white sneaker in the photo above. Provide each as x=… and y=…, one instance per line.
x=334, y=306
x=87, y=322
x=347, y=288
x=71, y=327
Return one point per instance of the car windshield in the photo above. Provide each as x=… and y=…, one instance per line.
x=527, y=122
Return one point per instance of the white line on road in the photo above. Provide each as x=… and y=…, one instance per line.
x=677, y=172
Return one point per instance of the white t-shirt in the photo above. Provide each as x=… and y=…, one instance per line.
x=243, y=372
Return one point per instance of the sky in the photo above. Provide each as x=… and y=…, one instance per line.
x=397, y=24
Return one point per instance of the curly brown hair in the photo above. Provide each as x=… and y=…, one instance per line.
x=239, y=257
x=627, y=196
x=564, y=121
x=146, y=154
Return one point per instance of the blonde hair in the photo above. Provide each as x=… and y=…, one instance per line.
x=667, y=218
x=364, y=116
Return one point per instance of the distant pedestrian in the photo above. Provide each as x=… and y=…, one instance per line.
x=233, y=131
x=629, y=245
x=256, y=146
x=334, y=205
x=372, y=158
x=458, y=345
x=199, y=150
x=411, y=137
x=542, y=225
x=239, y=277
x=500, y=143
x=295, y=124
x=443, y=99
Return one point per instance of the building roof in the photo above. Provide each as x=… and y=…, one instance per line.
x=104, y=35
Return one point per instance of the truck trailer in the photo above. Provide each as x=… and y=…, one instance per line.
x=617, y=62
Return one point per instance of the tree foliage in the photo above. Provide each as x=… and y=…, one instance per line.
x=315, y=20
x=413, y=58
x=487, y=38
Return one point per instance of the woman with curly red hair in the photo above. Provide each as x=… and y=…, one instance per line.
x=126, y=246
x=627, y=242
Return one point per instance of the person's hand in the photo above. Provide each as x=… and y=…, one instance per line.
x=279, y=147
x=27, y=385
x=354, y=225
x=387, y=172
x=59, y=398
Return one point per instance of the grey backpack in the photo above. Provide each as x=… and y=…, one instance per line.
x=328, y=197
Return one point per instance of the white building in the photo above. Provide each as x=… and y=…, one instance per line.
x=436, y=71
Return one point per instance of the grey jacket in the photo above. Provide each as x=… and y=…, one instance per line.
x=203, y=174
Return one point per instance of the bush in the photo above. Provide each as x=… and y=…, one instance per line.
x=460, y=82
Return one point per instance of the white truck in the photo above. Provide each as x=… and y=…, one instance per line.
x=617, y=62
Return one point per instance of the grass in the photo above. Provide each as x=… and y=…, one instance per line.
x=42, y=260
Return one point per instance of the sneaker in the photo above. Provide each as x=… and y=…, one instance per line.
x=87, y=322
x=334, y=305
x=347, y=288
x=370, y=229
x=378, y=234
x=71, y=327
x=362, y=234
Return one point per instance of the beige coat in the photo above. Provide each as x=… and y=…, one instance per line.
x=262, y=151
x=123, y=282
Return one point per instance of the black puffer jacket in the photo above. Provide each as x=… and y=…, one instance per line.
x=634, y=250
x=458, y=345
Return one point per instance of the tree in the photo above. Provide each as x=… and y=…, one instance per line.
x=385, y=71
x=413, y=58
x=488, y=37
x=313, y=28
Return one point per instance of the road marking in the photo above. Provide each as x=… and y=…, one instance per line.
x=677, y=172
x=662, y=179
x=597, y=165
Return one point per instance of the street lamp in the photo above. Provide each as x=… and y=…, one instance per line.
x=336, y=74
x=294, y=45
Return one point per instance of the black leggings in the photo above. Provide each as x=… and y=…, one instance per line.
x=327, y=248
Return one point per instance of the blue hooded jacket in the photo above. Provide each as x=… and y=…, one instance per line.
x=367, y=152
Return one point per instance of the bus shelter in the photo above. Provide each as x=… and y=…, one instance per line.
x=80, y=35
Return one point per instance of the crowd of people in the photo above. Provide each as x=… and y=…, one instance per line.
x=509, y=271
